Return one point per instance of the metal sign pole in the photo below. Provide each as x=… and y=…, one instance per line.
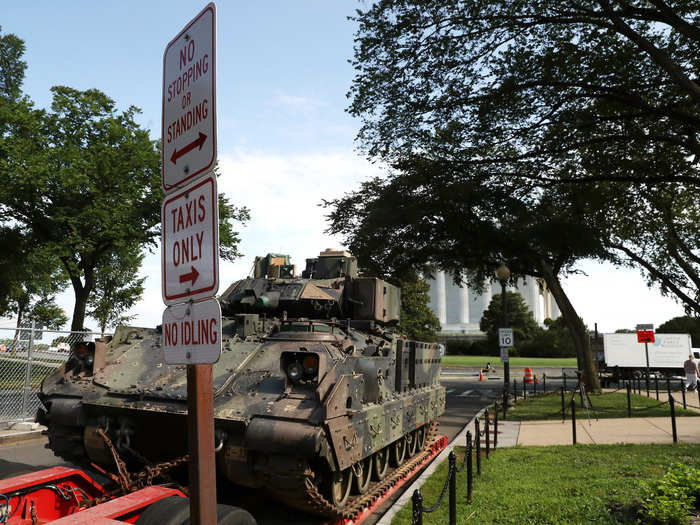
x=646, y=351
x=200, y=433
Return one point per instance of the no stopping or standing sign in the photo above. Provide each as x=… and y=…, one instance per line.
x=189, y=101
x=190, y=242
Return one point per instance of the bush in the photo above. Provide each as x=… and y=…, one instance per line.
x=669, y=500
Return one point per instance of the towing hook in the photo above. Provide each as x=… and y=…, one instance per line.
x=219, y=440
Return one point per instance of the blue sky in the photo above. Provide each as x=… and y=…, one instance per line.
x=285, y=141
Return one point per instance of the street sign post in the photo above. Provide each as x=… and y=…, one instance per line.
x=645, y=334
x=192, y=333
x=189, y=101
x=190, y=242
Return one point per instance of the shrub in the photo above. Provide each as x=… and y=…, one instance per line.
x=669, y=500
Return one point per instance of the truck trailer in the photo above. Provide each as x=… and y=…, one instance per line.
x=667, y=353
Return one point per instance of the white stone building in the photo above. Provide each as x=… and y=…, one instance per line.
x=460, y=308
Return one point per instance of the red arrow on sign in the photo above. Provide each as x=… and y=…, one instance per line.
x=190, y=276
x=196, y=143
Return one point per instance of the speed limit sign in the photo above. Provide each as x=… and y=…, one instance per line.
x=505, y=337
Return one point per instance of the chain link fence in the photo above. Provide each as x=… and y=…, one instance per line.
x=27, y=355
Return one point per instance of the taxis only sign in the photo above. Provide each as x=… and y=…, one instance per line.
x=190, y=243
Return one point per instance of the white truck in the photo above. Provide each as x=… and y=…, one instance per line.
x=666, y=354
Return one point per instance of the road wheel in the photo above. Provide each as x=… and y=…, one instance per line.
x=380, y=464
x=229, y=515
x=411, y=444
x=420, y=438
x=363, y=475
x=398, y=452
x=340, y=484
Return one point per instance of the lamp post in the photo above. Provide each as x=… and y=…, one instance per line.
x=503, y=274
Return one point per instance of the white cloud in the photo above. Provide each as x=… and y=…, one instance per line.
x=298, y=103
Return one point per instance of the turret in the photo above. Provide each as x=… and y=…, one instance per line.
x=329, y=287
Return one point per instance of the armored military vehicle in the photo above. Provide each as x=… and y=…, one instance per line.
x=317, y=400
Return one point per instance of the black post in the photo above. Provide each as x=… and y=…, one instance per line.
x=505, y=402
x=685, y=406
x=470, y=468
x=487, y=432
x=698, y=390
x=563, y=406
x=515, y=390
x=495, y=425
x=629, y=401
x=573, y=419
x=671, y=403
x=668, y=386
x=544, y=382
x=452, y=502
x=564, y=374
x=534, y=384
x=417, y=500
x=477, y=441
x=656, y=384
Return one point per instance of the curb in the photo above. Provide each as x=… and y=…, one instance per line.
x=418, y=483
x=21, y=437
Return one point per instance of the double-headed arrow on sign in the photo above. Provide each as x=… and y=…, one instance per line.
x=196, y=143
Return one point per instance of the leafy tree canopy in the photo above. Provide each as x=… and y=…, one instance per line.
x=682, y=325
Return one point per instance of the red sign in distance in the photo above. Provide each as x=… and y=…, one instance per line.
x=190, y=242
x=189, y=102
x=645, y=336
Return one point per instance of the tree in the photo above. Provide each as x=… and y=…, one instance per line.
x=682, y=325
x=88, y=187
x=116, y=288
x=551, y=82
x=467, y=223
x=418, y=322
x=520, y=318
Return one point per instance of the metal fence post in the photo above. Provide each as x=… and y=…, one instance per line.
x=452, y=502
x=470, y=468
x=544, y=382
x=685, y=405
x=534, y=384
x=573, y=419
x=477, y=441
x=656, y=384
x=417, y=500
x=629, y=400
x=487, y=432
x=28, y=375
x=563, y=373
x=505, y=402
x=515, y=390
x=563, y=406
x=668, y=386
x=671, y=403
x=495, y=426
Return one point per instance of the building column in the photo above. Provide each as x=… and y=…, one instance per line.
x=463, y=304
x=554, y=308
x=440, y=297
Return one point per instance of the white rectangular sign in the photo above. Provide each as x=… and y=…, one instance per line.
x=505, y=337
x=189, y=101
x=504, y=354
x=190, y=242
x=192, y=333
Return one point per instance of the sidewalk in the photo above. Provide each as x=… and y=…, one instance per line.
x=20, y=432
x=602, y=431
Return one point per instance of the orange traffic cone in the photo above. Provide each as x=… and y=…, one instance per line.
x=481, y=375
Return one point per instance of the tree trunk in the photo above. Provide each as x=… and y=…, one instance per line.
x=20, y=318
x=81, y=297
x=576, y=328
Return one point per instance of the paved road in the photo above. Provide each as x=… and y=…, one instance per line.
x=466, y=395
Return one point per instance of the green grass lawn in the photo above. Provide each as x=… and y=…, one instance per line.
x=606, y=405
x=554, y=485
x=481, y=360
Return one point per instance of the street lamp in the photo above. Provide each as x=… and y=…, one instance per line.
x=503, y=274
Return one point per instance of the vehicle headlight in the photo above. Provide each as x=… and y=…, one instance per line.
x=294, y=371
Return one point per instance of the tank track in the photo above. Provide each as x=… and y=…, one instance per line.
x=66, y=442
x=309, y=499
